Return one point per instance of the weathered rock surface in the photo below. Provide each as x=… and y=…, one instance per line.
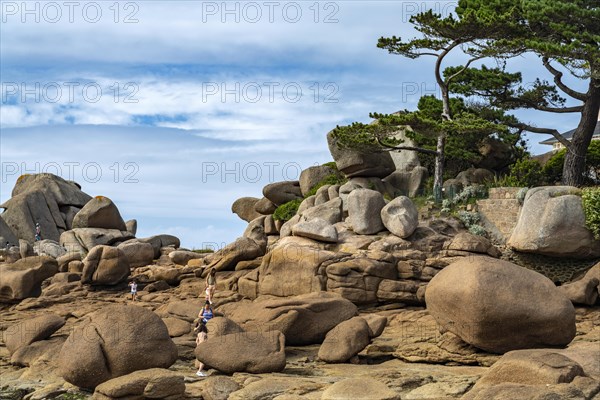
x=552, y=222
x=303, y=319
x=105, y=265
x=330, y=211
x=244, y=208
x=364, y=211
x=317, y=229
x=345, y=341
x=182, y=257
x=359, y=389
x=400, y=216
x=282, y=192
x=585, y=290
x=253, y=352
x=241, y=250
x=356, y=163
x=32, y=330
x=498, y=306
x=138, y=254
x=313, y=175
x=115, y=341
x=24, y=278
x=160, y=241
x=154, y=383
x=41, y=198
x=99, y=212
x=409, y=183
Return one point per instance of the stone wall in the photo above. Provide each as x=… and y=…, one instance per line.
x=500, y=212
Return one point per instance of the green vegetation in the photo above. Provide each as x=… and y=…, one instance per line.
x=331, y=179
x=591, y=207
x=331, y=164
x=471, y=221
x=553, y=170
x=523, y=173
x=72, y=396
x=469, y=195
x=286, y=211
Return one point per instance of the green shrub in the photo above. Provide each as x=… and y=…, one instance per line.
x=591, y=206
x=286, y=211
x=524, y=172
x=203, y=251
x=331, y=164
x=553, y=169
x=331, y=179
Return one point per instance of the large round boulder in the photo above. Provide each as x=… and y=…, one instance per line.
x=253, y=352
x=360, y=163
x=552, y=222
x=100, y=212
x=24, y=278
x=498, y=306
x=364, y=211
x=115, y=341
x=138, y=254
x=400, y=216
x=155, y=383
x=105, y=265
x=313, y=175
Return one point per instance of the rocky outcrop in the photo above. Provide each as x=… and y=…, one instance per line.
x=359, y=389
x=115, y=341
x=45, y=199
x=6, y=234
x=253, y=352
x=317, y=229
x=498, y=306
x=303, y=319
x=552, y=222
x=409, y=183
x=138, y=254
x=226, y=259
x=24, y=278
x=105, y=265
x=154, y=383
x=160, y=241
x=32, y=330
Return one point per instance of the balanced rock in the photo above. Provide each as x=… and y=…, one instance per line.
x=244, y=208
x=360, y=163
x=105, y=265
x=160, y=241
x=138, y=254
x=498, y=306
x=154, y=383
x=252, y=352
x=264, y=206
x=25, y=332
x=99, y=212
x=364, y=211
x=24, y=278
x=282, y=192
x=132, y=225
x=552, y=222
x=115, y=341
x=400, y=216
x=345, y=341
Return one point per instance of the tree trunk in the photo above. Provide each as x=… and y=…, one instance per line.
x=574, y=167
x=438, y=179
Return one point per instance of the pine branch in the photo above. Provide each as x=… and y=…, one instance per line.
x=559, y=83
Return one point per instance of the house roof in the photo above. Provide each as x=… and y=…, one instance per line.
x=569, y=135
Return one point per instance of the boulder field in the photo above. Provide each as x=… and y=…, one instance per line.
x=356, y=295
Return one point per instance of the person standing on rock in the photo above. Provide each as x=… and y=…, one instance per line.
x=211, y=285
x=133, y=285
x=201, y=336
x=38, y=232
x=206, y=313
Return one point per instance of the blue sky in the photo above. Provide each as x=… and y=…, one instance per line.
x=174, y=109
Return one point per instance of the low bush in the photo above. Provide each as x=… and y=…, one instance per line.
x=591, y=206
x=286, y=211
